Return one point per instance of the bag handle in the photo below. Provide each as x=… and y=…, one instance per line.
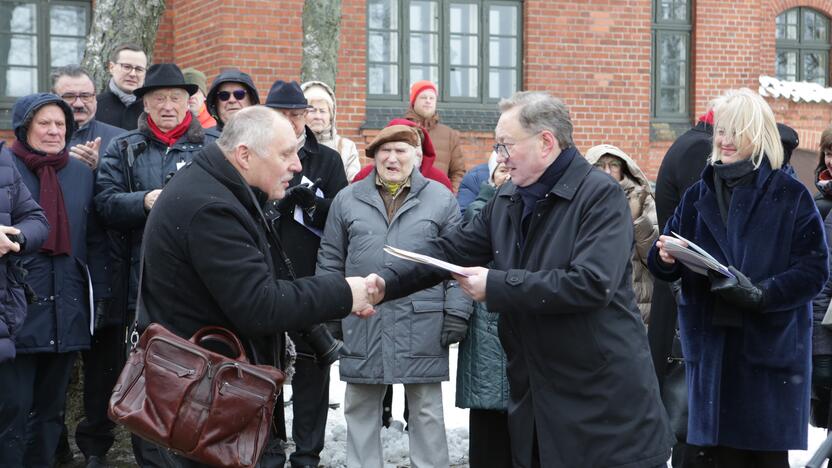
x=223, y=336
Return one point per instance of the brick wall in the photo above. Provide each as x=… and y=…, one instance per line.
x=595, y=55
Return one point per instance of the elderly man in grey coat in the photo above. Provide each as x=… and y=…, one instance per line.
x=407, y=341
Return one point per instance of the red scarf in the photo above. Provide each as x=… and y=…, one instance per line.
x=46, y=167
x=170, y=137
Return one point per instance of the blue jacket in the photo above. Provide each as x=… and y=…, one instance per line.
x=18, y=209
x=749, y=385
x=59, y=319
x=470, y=185
x=94, y=129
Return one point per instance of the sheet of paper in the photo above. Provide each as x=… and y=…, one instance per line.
x=419, y=258
x=695, y=257
x=298, y=214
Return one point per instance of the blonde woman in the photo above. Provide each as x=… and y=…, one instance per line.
x=747, y=337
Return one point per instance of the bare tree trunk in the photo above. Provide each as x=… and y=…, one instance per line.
x=115, y=22
x=321, y=27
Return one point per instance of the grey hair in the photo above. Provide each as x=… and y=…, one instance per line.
x=541, y=111
x=72, y=71
x=253, y=127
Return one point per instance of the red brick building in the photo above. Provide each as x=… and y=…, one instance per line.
x=635, y=73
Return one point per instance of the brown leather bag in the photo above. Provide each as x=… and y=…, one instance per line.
x=198, y=403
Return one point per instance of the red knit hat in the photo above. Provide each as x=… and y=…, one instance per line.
x=420, y=86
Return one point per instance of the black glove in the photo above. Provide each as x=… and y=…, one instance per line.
x=738, y=291
x=101, y=312
x=299, y=195
x=454, y=330
x=334, y=327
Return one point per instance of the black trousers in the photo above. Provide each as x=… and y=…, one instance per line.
x=32, y=397
x=728, y=457
x=102, y=366
x=310, y=405
x=488, y=438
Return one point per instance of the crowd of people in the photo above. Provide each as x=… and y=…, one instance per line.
x=163, y=200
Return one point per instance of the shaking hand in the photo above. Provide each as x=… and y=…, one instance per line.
x=361, y=304
x=474, y=283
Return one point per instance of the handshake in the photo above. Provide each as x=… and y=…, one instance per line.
x=366, y=292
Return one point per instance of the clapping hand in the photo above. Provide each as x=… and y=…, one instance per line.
x=87, y=152
x=474, y=283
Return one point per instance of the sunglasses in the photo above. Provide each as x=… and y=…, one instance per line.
x=239, y=94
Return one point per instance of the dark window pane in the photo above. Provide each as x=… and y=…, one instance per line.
x=17, y=17
x=814, y=67
x=670, y=101
x=20, y=81
x=464, y=50
x=383, y=14
x=383, y=79
x=383, y=47
x=464, y=82
x=672, y=74
x=502, y=20
x=424, y=48
x=786, y=66
x=464, y=18
x=424, y=15
x=814, y=26
x=502, y=52
x=420, y=72
x=672, y=47
x=68, y=20
x=66, y=51
x=502, y=83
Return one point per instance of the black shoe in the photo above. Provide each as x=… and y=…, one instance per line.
x=95, y=461
x=63, y=454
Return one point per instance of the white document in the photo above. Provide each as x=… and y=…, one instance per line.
x=694, y=257
x=298, y=214
x=419, y=258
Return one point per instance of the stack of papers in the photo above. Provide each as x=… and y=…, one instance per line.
x=419, y=258
x=694, y=257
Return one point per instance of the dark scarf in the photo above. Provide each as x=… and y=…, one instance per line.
x=531, y=194
x=726, y=178
x=46, y=167
x=170, y=137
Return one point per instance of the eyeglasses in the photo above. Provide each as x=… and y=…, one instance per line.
x=611, y=165
x=69, y=98
x=239, y=94
x=132, y=68
x=502, y=148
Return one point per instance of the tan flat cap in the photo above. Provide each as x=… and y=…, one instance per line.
x=403, y=133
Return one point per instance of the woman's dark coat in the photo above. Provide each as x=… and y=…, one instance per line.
x=749, y=385
x=580, y=374
x=18, y=209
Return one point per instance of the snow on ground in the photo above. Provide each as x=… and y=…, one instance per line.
x=395, y=442
x=394, y=439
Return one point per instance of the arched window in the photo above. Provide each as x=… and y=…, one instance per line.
x=802, y=36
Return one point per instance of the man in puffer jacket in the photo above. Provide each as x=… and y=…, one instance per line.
x=20, y=215
x=621, y=167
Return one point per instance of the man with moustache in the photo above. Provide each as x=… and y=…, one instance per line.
x=74, y=85
x=118, y=105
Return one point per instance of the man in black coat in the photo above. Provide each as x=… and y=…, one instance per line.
x=118, y=105
x=582, y=388
x=303, y=214
x=210, y=258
